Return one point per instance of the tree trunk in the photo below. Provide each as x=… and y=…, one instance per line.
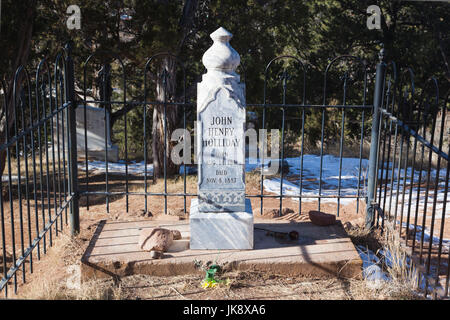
x=23, y=51
x=164, y=120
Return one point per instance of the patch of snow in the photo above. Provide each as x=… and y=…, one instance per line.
x=189, y=169
x=303, y=179
x=352, y=172
x=5, y=178
x=134, y=168
x=374, y=274
x=353, y=179
x=427, y=237
x=417, y=195
x=372, y=271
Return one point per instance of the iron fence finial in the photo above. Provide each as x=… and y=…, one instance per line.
x=68, y=47
x=382, y=53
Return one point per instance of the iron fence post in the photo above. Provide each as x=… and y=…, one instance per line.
x=373, y=157
x=73, y=169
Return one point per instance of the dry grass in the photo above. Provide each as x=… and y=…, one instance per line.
x=394, y=261
x=243, y=285
x=92, y=290
x=176, y=185
x=351, y=148
x=404, y=276
x=51, y=279
x=363, y=237
x=39, y=164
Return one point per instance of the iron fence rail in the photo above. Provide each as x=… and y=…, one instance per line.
x=284, y=77
x=406, y=146
x=35, y=207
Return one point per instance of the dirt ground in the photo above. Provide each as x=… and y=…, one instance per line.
x=52, y=271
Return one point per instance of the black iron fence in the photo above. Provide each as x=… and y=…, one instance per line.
x=34, y=206
x=413, y=171
x=40, y=182
x=270, y=105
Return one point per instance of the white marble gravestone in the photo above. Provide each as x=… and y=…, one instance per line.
x=221, y=217
x=95, y=129
x=95, y=125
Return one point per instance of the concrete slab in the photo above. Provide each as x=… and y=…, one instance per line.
x=320, y=252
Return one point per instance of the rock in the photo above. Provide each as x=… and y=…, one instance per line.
x=267, y=213
x=286, y=211
x=176, y=234
x=348, y=225
x=143, y=213
x=274, y=167
x=158, y=239
x=293, y=235
x=176, y=212
x=321, y=218
x=273, y=213
x=155, y=254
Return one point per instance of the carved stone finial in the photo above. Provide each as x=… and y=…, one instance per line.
x=221, y=35
x=221, y=56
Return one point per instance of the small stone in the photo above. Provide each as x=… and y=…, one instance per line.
x=273, y=213
x=227, y=266
x=155, y=254
x=348, y=225
x=293, y=235
x=176, y=234
x=144, y=213
x=286, y=211
x=176, y=212
x=267, y=212
x=274, y=167
x=321, y=218
x=158, y=239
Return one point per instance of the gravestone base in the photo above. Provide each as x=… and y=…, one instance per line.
x=221, y=230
